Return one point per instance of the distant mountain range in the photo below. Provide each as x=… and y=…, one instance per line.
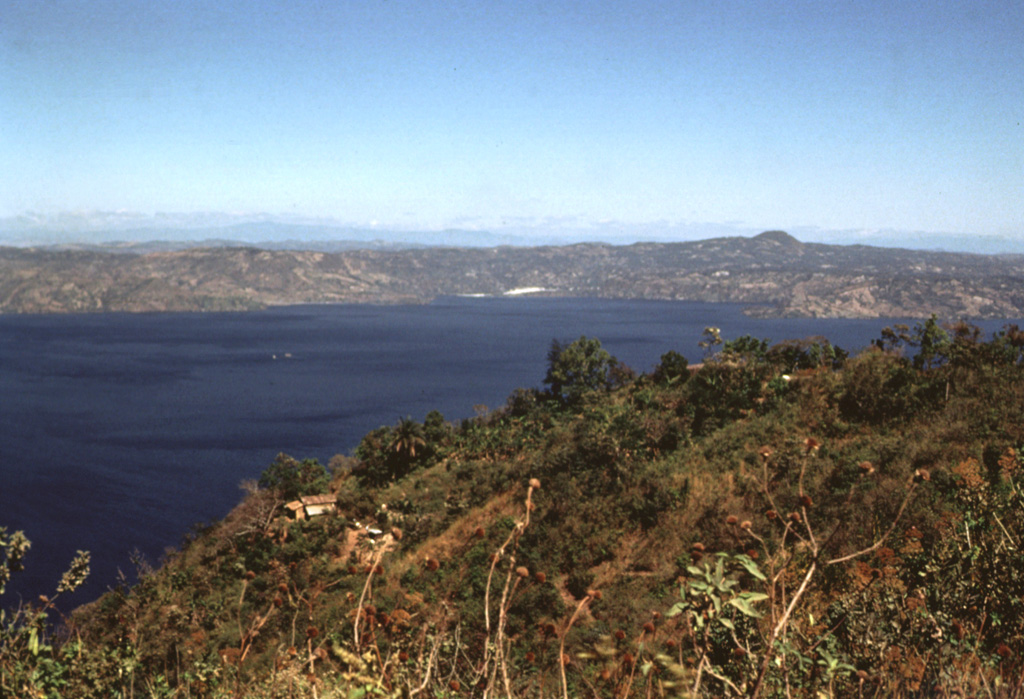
x=125, y=230
x=772, y=273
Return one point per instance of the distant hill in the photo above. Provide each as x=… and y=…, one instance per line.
x=772, y=273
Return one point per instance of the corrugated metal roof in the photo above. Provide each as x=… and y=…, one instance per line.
x=318, y=500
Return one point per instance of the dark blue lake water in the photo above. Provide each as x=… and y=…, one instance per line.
x=119, y=431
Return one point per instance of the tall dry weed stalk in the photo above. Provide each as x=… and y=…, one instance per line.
x=499, y=653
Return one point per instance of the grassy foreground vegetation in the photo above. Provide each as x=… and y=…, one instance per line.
x=781, y=521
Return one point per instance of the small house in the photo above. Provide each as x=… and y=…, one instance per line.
x=311, y=506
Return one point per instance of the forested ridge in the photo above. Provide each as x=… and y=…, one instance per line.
x=781, y=520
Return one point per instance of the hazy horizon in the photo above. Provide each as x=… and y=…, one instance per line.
x=556, y=122
x=132, y=228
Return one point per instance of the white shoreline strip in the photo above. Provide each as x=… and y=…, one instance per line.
x=524, y=290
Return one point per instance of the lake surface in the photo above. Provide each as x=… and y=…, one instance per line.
x=120, y=431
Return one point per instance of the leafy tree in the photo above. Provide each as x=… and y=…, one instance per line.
x=578, y=368
x=747, y=347
x=966, y=348
x=673, y=368
x=807, y=353
x=293, y=478
x=933, y=343
x=435, y=430
x=1007, y=345
x=373, y=448
x=894, y=338
x=722, y=392
x=620, y=375
x=523, y=401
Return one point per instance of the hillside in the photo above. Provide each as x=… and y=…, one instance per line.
x=780, y=521
x=772, y=274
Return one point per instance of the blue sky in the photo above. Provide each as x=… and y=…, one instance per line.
x=839, y=116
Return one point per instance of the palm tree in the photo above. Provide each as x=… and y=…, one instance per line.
x=407, y=436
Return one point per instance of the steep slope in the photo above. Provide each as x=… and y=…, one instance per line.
x=780, y=520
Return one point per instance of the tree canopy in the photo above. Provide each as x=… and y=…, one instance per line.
x=578, y=368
